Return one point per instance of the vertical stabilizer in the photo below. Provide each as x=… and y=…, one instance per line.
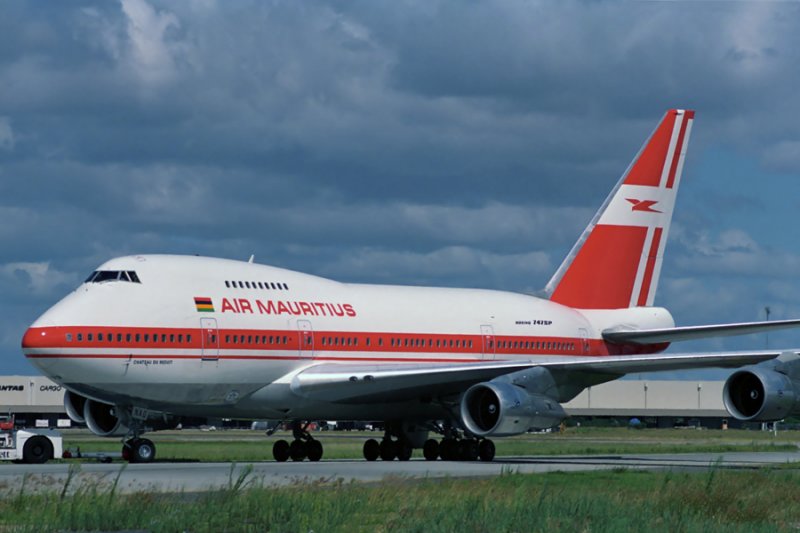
x=617, y=260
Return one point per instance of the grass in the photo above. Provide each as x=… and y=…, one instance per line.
x=589, y=501
x=245, y=446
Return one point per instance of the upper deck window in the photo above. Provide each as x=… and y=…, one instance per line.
x=101, y=276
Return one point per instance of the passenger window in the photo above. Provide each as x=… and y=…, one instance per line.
x=227, y=339
x=189, y=338
x=180, y=338
x=146, y=337
x=119, y=337
x=80, y=336
x=249, y=339
x=127, y=337
x=241, y=285
x=273, y=285
x=256, y=339
x=235, y=339
x=69, y=337
x=137, y=337
x=286, y=287
x=470, y=343
x=241, y=339
x=367, y=341
x=100, y=336
x=228, y=284
x=285, y=340
x=89, y=337
x=164, y=338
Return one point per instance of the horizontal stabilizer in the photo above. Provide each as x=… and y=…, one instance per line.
x=654, y=336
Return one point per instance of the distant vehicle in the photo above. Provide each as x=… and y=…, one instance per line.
x=33, y=446
x=150, y=338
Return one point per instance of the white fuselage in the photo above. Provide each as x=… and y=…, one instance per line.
x=203, y=336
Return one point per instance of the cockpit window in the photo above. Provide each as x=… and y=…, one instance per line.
x=101, y=276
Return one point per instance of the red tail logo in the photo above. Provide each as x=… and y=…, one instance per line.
x=643, y=205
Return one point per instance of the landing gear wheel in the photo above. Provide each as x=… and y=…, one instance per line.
x=431, y=450
x=404, y=451
x=388, y=450
x=297, y=450
x=448, y=449
x=486, y=450
x=372, y=450
x=314, y=450
x=139, y=451
x=37, y=450
x=280, y=451
x=469, y=450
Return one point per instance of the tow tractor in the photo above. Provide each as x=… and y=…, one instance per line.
x=33, y=446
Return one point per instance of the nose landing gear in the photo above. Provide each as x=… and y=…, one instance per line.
x=137, y=450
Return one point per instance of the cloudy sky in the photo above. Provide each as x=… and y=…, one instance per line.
x=453, y=143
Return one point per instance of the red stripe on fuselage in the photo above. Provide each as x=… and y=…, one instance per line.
x=39, y=341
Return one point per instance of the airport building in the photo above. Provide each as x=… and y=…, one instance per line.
x=37, y=401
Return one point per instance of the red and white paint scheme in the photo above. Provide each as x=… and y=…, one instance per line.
x=152, y=338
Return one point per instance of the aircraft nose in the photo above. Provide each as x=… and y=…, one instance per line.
x=38, y=344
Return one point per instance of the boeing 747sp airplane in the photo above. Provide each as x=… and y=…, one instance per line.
x=148, y=339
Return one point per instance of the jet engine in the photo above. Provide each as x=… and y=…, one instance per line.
x=103, y=419
x=501, y=409
x=74, y=404
x=761, y=394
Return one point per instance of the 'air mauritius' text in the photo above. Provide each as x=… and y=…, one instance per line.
x=278, y=307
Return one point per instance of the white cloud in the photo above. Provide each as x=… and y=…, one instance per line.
x=39, y=277
x=152, y=56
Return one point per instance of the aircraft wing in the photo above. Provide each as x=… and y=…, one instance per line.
x=653, y=336
x=352, y=382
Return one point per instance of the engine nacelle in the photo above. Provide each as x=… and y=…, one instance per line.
x=501, y=409
x=102, y=419
x=760, y=395
x=74, y=404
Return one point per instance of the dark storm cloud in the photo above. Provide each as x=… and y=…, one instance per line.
x=451, y=143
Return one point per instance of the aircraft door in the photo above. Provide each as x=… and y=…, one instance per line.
x=209, y=340
x=584, y=335
x=487, y=335
x=306, y=337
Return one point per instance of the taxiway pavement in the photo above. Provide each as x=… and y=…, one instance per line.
x=195, y=477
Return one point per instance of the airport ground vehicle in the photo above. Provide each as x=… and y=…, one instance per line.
x=33, y=446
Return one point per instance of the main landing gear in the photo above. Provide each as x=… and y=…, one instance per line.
x=397, y=444
x=137, y=450
x=304, y=446
x=453, y=449
x=388, y=449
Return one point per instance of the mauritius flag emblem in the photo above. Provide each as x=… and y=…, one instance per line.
x=203, y=305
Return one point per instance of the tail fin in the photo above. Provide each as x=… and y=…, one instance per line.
x=617, y=260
